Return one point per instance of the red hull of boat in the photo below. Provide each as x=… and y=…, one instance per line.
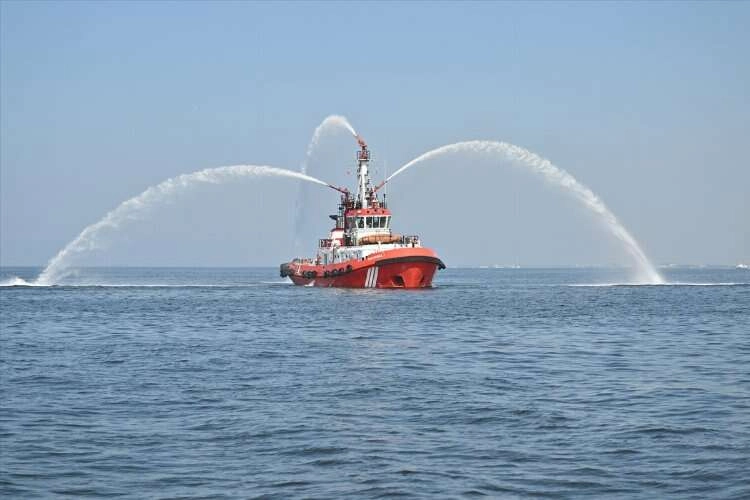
x=400, y=268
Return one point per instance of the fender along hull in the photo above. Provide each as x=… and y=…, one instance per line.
x=401, y=268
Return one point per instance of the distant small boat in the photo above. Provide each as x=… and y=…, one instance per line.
x=743, y=266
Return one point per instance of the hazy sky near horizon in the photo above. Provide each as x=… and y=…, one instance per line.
x=646, y=103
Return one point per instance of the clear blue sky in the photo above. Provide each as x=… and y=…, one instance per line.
x=647, y=103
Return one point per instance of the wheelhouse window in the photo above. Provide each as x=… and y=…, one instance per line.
x=383, y=221
x=360, y=222
x=369, y=221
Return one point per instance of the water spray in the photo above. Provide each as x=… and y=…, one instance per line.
x=328, y=125
x=89, y=238
x=646, y=273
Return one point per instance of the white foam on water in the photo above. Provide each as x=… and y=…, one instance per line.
x=16, y=281
x=645, y=271
x=664, y=284
x=89, y=238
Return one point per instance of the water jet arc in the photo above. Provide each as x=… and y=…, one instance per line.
x=89, y=238
x=329, y=124
x=645, y=271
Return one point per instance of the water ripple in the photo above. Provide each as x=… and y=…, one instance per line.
x=485, y=387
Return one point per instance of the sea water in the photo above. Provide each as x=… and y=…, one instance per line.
x=225, y=383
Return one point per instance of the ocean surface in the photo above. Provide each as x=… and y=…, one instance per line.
x=231, y=383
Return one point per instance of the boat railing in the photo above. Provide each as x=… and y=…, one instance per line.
x=302, y=260
x=411, y=240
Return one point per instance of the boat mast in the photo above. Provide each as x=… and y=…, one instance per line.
x=363, y=177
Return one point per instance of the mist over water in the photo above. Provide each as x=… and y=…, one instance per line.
x=645, y=271
x=92, y=236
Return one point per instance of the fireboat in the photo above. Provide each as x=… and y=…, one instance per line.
x=361, y=250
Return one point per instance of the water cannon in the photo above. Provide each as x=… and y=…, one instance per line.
x=363, y=154
x=343, y=191
x=377, y=188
